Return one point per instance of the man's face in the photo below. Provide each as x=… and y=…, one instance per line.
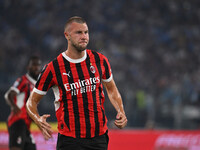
x=78, y=36
x=34, y=67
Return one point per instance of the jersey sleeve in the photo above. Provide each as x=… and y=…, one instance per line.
x=107, y=74
x=45, y=81
x=18, y=85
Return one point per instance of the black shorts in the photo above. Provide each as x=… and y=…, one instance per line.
x=96, y=143
x=19, y=136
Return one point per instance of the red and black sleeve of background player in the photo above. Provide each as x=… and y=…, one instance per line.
x=22, y=85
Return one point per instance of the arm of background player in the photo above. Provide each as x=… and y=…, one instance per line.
x=31, y=107
x=9, y=96
x=116, y=101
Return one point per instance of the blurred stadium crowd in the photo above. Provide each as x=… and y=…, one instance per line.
x=153, y=47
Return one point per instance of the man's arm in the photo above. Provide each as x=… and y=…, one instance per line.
x=31, y=107
x=9, y=96
x=116, y=101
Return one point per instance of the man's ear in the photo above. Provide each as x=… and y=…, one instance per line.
x=66, y=35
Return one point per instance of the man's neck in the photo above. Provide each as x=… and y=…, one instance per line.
x=73, y=54
x=31, y=78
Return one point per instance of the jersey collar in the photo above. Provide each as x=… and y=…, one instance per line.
x=30, y=79
x=75, y=60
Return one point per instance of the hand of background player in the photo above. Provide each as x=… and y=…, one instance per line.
x=45, y=127
x=121, y=120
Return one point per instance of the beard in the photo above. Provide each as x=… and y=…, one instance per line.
x=79, y=48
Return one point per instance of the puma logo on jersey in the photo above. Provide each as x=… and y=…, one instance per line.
x=67, y=74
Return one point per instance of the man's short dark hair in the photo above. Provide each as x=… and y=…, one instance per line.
x=76, y=19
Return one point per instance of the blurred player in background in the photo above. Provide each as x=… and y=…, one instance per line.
x=19, y=122
x=77, y=77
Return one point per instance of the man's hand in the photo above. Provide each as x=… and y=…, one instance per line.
x=44, y=126
x=31, y=108
x=121, y=120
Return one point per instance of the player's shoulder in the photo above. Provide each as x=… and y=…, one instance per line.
x=58, y=58
x=20, y=80
x=98, y=54
x=51, y=62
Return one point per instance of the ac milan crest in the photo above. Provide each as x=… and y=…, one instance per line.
x=92, y=69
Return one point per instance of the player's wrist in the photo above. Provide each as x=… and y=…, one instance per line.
x=36, y=119
x=13, y=106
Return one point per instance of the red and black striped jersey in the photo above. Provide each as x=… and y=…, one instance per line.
x=78, y=90
x=23, y=87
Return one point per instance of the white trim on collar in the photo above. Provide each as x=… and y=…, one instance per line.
x=75, y=60
x=30, y=79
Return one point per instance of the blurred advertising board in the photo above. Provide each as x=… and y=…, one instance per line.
x=126, y=139
x=154, y=140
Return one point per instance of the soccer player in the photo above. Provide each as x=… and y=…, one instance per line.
x=18, y=121
x=77, y=77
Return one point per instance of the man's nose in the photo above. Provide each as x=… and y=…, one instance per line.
x=84, y=35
